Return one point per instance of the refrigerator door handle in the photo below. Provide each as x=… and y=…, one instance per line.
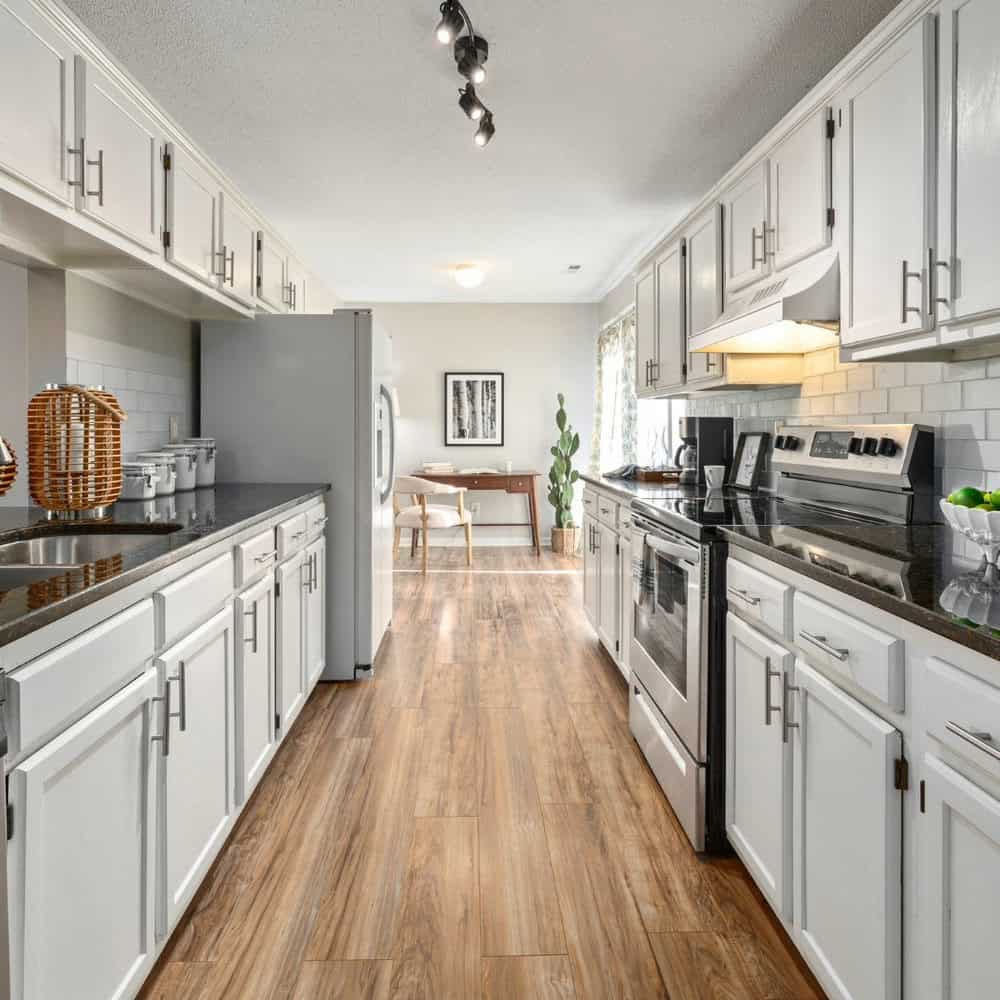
x=386, y=396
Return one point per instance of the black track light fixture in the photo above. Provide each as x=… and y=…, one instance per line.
x=451, y=24
x=485, y=131
x=471, y=52
x=470, y=103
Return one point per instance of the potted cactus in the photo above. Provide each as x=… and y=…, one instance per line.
x=562, y=476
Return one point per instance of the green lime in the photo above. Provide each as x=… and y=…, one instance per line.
x=967, y=496
x=984, y=506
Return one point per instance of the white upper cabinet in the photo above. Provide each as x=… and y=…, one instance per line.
x=193, y=211
x=800, y=195
x=671, y=335
x=885, y=171
x=703, y=288
x=645, y=331
x=296, y=285
x=271, y=266
x=745, y=215
x=115, y=162
x=968, y=279
x=36, y=101
x=239, y=251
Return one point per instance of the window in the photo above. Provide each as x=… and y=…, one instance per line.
x=628, y=430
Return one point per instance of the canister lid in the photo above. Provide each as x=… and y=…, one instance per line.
x=141, y=468
x=160, y=457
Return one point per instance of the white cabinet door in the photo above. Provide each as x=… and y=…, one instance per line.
x=625, y=605
x=746, y=239
x=117, y=162
x=759, y=761
x=271, y=289
x=885, y=171
x=959, y=886
x=193, y=196
x=255, y=710
x=671, y=333
x=36, y=101
x=610, y=589
x=645, y=331
x=703, y=298
x=292, y=578
x=316, y=612
x=239, y=248
x=591, y=571
x=296, y=281
x=970, y=159
x=82, y=854
x=848, y=842
x=800, y=201
x=199, y=774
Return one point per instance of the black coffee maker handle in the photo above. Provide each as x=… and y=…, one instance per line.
x=677, y=455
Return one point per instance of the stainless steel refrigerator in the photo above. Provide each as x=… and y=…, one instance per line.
x=309, y=399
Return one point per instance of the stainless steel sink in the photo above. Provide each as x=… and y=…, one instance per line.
x=12, y=577
x=65, y=549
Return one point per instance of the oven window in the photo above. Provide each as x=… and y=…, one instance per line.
x=661, y=616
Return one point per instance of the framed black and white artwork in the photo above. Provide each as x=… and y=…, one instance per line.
x=473, y=408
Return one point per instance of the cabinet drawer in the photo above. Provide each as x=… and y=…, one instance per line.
x=590, y=502
x=254, y=556
x=757, y=596
x=625, y=518
x=291, y=535
x=316, y=518
x=191, y=599
x=607, y=511
x=963, y=713
x=519, y=484
x=871, y=658
x=47, y=694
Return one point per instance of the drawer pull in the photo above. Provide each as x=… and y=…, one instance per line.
x=299, y=534
x=819, y=641
x=266, y=557
x=981, y=741
x=320, y=521
x=744, y=595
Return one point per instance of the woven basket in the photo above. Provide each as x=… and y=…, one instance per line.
x=74, y=448
x=8, y=471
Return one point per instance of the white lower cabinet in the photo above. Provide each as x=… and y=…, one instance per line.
x=82, y=854
x=609, y=617
x=627, y=626
x=759, y=775
x=591, y=571
x=960, y=886
x=847, y=839
x=315, y=632
x=292, y=578
x=607, y=576
x=196, y=740
x=255, y=701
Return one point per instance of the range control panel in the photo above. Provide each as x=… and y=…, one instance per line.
x=844, y=452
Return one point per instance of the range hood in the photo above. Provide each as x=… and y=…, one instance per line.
x=793, y=314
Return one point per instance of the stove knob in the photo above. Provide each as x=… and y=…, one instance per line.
x=792, y=442
x=855, y=446
x=780, y=442
x=870, y=446
x=887, y=447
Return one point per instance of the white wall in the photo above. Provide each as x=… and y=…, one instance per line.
x=541, y=349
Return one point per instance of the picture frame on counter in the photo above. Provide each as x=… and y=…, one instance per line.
x=748, y=461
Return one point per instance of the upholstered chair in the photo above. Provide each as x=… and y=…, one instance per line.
x=421, y=517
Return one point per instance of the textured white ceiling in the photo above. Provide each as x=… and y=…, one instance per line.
x=338, y=118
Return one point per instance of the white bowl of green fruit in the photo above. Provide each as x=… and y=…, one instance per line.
x=976, y=514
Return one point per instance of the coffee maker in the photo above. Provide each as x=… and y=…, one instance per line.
x=704, y=441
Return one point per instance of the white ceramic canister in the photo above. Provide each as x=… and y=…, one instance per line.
x=187, y=465
x=206, y=459
x=138, y=481
x=166, y=469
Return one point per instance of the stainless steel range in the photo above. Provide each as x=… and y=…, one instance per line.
x=826, y=478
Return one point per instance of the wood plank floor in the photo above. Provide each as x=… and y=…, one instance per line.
x=476, y=822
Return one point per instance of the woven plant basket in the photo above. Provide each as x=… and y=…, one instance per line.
x=8, y=471
x=74, y=448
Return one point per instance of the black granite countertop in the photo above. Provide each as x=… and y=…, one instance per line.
x=909, y=571
x=205, y=516
x=630, y=489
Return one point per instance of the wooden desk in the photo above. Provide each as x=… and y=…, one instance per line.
x=499, y=482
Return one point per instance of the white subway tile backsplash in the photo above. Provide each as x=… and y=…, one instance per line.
x=993, y=424
x=943, y=396
x=964, y=424
x=136, y=380
x=115, y=378
x=89, y=374
x=72, y=371
x=961, y=371
x=906, y=399
x=982, y=393
x=837, y=382
x=860, y=378
x=875, y=400
x=846, y=404
x=923, y=373
x=891, y=375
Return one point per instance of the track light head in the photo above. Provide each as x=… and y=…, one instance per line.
x=451, y=23
x=485, y=131
x=470, y=103
x=471, y=55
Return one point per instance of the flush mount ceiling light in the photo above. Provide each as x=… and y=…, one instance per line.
x=468, y=275
x=471, y=52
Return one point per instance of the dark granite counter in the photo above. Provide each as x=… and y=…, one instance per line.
x=907, y=571
x=204, y=516
x=630, y=489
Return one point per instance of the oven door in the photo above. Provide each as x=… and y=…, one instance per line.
x=667, y=645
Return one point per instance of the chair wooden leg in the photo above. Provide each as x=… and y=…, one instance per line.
x=425, y=533
x=468, y=544
x=414, y=538
x=395, y=542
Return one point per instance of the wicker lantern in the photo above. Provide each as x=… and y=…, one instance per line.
x=74, y=450
x=8, y=466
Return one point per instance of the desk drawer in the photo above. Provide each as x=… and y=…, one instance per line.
x=960, y=709
x=607, y=512
x=255, y=556
x=519, y=484
x=871, y=658
x=48, y=694
x=192, y=599
x=759, y=597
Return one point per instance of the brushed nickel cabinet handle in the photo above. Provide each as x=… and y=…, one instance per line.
x=164, y=736
x=906, y=309
x=266, y=557
x=819, y=641
x=745, y=596
x=754, y=236
x=769, y=675
x=99, y=163
x=81, y=169
x=181, y=678
x=231, y=261
x=765, y=229
x=222, y=254
x=252, y=613
x=980, y=740
x=786, y=689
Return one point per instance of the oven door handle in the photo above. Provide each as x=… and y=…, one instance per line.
x=675, y=551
